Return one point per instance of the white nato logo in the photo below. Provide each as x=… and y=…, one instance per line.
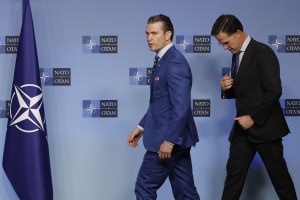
x=137, y=76
x=184, y=44
x=44, y=77
x=1, y=109
x=90, y=44
x=277, y=43
x=28, y=110
x=91, y=108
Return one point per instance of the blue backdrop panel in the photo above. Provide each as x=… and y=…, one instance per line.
x=90, y=52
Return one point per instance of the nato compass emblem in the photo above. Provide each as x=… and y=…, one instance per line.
x=44, y=77
x=26, y=108
x=90, y=44
x=1, y=48
x=137, y=76
x=277, y=43
x=91, y=108
x=184, y=44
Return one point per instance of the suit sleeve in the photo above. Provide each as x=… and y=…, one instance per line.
x=179, y=80
x=142, y=122
x=229, y=94
x=269, y=74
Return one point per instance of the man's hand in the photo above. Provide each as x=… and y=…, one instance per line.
x=134, y=136
x=245, y=121
x=226, y=82
x=165, y=151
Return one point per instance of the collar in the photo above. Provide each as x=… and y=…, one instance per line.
x=245, y=44
x=162, y=52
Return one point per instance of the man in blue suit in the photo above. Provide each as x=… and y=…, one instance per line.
x=168, y=126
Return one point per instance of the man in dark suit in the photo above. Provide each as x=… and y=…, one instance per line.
x=259, y=124
x=168, y=127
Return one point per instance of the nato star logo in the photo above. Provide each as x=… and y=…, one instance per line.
x=277, y=44
x=25, y=109
x=90, y=44
x=90, y=109
x=2, y=50
x=137, y=76
x=44, y=77
x=184, y=44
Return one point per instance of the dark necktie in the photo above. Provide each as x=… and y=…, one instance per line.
x=235, y=65
x=154, y=66
x=155, y=62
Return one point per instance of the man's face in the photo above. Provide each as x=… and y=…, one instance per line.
x=156, y=37
x=231, y=43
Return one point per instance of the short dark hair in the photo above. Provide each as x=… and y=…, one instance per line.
x=227, y=24
x=167, y=24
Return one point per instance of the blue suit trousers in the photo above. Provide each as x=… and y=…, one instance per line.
x=154, y=172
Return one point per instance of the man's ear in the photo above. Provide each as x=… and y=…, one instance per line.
x=168, y=35
x=238, y=34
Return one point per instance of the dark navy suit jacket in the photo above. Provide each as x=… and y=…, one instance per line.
x=257, y=91
x=169, y=116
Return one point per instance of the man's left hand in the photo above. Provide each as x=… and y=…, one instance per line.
x=245, y=121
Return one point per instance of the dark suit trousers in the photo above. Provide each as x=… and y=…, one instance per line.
x=154, y=172
x=242, y=152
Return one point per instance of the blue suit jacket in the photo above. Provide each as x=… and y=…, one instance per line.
x=169, y=116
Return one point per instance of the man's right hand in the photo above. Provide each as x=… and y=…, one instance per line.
x=226, y=82
x=134, y=136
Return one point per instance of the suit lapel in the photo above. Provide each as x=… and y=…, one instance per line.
x=166, y=56
x=160, y=65
x=162, y=61
x=247, y=57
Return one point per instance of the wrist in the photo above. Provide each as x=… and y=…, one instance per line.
x=169, y=143
x=139, y=127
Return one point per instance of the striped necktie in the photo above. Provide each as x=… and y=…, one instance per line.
x=155, y=62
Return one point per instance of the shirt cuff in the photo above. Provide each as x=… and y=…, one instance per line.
x=169, y=142
x=139, y=127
